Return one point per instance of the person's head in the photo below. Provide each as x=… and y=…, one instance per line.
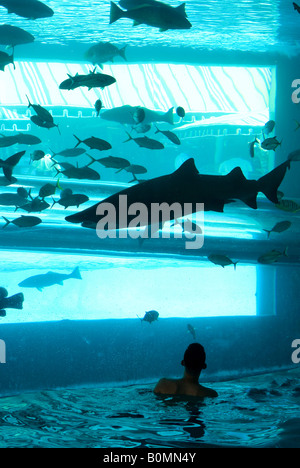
x=194, y=359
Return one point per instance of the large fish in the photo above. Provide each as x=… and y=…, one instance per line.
x=12, y=36
x=49, y=279
x=125, y=115
x=30, y=9
x=184, y=186
x=160, y=15
x=9, y=164
x=5, y=60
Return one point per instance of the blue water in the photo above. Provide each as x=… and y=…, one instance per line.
x=255, y=412
x=80, y=365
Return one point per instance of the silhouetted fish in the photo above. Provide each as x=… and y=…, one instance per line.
x=12, y=36
x=221, y=260
x=31, y=9
x=145, y=142
x=13, y=302
x=160, y=16
x=150, y=316
x=23, y=221
x=125, y=115
x=92, y=80
x=49, y=279
x=94, y=143
x=279, y=227
x=187, y=186
x=103, y=52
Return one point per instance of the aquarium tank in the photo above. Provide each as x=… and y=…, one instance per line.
x=149, y=190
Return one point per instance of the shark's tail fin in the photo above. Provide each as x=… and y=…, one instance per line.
x=14, y=302
x=270, y=183
x=115, y=13
x=76, y=274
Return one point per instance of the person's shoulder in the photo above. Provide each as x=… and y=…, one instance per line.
x=167, y=386
x=207, y=392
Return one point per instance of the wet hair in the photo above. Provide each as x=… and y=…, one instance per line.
x=194, y=358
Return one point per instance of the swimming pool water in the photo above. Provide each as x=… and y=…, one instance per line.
x=255, y=412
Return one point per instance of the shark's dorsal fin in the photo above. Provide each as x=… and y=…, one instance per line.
x=187, y=169
x=236, y=173
x=181, y=9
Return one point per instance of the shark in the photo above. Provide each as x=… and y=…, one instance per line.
x=186, y=186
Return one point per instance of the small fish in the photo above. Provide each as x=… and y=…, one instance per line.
x=150, y=316
x=49, y=189
x=13, y=302
x=5, y=60
x=288, y=205
x=49, y=279
x=43, y=114
x=66, y=193
x=43, y=123
x=35, y=206
x=69, y=152
x=296, y=7
x=268, y=127
x=221, y=260
x=6, y=141
x=251, y=147
x=270, y=144
x=279, y=227
x=272, y=256
x=79, y=173
x=170, y=135
x=145, y=142
x=9, y=164
x=94, y=143
x=112, y=162
x=14, y=199
x=72, y=199
x=98, y=106
x=180, y=112
x=27, y=139
x=135, y=169
x=23, y=221
x=104, y=52
x=37, y=155
x=92, y=80
x=192, y=330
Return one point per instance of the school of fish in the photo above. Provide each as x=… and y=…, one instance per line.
x=151, y=13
